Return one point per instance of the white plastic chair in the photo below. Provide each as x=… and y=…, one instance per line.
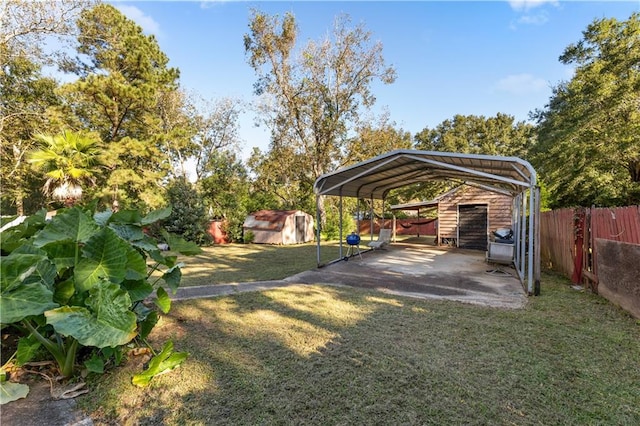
x=384, y=238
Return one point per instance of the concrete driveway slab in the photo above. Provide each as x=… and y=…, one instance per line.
x=425, y=271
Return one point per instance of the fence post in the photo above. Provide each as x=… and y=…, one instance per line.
x=578, y=245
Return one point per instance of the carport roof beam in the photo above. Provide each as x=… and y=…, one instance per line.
x=474, y=172
x=376, y=176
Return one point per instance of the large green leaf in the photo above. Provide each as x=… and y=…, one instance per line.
x=70, y=225
x=156, y=215
x=162, y=363
x=126, y=216
x=147, y=244
x=24, y=301
x=182, y=246
x=45, y=271
x=107, y=322
x=64, y=291
x=138, y=290
x=27, y=349
x=10, y=391
x=136, y=265
x=102, y=218
x=147, y=325
x=63, y=254
x=163, y=301
x=104, y=256
x=14, y=237
x=173, y=276
x=25, y=283
x=127, y=231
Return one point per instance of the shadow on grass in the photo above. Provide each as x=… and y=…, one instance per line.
x=232, y=263
x=319, y=355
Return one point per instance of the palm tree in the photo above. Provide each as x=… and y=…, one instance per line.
x=69, y=161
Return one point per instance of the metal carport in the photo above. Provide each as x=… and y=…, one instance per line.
x=376, y=177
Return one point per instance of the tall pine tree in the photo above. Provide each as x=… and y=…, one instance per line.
x=122, y=74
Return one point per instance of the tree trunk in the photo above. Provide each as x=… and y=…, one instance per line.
x=634, y=170
x=19, y=204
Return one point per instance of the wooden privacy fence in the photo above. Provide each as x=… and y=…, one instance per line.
x=413, y=226
x=577, y=242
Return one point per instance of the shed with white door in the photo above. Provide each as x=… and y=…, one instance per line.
x=280, y=227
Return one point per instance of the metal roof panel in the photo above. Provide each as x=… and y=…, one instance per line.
x=375, y=177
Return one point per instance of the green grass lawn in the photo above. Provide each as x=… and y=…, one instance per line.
x=326, y=355
x=233, y=263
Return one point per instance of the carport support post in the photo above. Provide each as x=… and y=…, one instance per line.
x=536, y=267
x=532, y=225
x=371, y=220
x=523, y=234
x=318, y=225
x=340, y=221
x=358, y=215
x=393, y=235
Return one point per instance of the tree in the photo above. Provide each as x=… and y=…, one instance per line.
x=588, y=149
x=188, y=213
x=281, y=178
x=177, y=116
x=69, y=162
x=26, y=24
x=376, y=138
x=216, y=127
x=314, y=98
x=25, y=95
x=122, y=75
x=226, y=192
x=471, y=134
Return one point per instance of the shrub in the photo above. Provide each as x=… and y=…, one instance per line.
x=188, y=217
x=249, y=237
x=82, y=279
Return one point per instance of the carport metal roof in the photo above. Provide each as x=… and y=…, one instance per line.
x=376, y=177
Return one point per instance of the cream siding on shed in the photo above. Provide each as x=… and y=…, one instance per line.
x=280, y=227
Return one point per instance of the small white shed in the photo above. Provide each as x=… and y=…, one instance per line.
x=280, y=227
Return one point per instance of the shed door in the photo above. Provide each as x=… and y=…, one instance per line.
x=472, y=226
x=301, y=228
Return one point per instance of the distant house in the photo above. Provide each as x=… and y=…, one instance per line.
x=280, y=227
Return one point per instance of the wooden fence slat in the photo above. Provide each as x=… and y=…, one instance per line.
x=557, y=235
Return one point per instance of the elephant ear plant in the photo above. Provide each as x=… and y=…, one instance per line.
x=91, y=280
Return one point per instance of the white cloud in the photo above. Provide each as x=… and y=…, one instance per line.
x=148, y=24
x=525, y=5
x=527, y=17
x=208, y=4
x=537, y=19
x=521, y=84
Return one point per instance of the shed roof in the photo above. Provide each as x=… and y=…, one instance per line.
x=377, y=176
x=271, y=220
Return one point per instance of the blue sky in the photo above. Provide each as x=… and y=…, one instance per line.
x=451, y=57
